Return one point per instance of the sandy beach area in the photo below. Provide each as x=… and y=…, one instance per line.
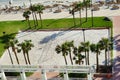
x=63, y=14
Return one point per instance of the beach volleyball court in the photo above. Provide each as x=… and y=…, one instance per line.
x=43, y=52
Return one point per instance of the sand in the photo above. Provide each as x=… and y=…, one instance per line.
x=45, y=42
x=64, y=14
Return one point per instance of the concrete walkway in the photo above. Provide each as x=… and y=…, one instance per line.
x=116, y=36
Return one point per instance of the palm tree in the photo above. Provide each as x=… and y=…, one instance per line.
x=23, y=48
x=106, y=45
x=31, y=8
x=62, y=49
x=40, y=9
x=83, y=50
x=70, y=45
x=86, y=3
x=6, y=39
x=79, y=7
x=78, y=56
x=7, y=45
x=73, y=14
x=96, y=48
x=86, y=47
x=12, y=45
x=28, y=45
x=92, y=21
x=26, y=15
x=34, y=10
x=75, y=50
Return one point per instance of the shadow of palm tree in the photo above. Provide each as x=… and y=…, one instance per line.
x=116, y=60
x=116, y=68
x=5, y=38
x=117, y=45
x=53, y=36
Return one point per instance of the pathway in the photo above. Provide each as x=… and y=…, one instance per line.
x=116, y=36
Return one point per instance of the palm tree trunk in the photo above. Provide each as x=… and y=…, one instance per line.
x=65, y=60
x=71, y=58
x=36, y=19
x=28, y=58
x=92, y=14
x=80, y=16
x=16, y=55
x=92, y=17
x=109, y=58
x=88, y=58
x=25, y=57
x=97, y=62
x=10, y=56
x=105, y=58
x=74, y=18
x=26, y=22
x=29, y=23
x=40, y=20
x=86, y=10
x=80, y=61
x=32, y=13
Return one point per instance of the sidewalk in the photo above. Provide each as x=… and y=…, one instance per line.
x=116, y=37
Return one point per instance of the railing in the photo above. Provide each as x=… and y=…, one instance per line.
x=60, y=78
x=43, y=69
x=69, y=79
x=48, y=68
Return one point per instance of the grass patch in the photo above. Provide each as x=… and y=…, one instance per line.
x=68, y=23
x=78, y=75
x=17, y=73
x=10, y=27
x=75, y=75
x=28, y=73
x=12, y=73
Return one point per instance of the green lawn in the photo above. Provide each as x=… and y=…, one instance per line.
x=12, y=27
